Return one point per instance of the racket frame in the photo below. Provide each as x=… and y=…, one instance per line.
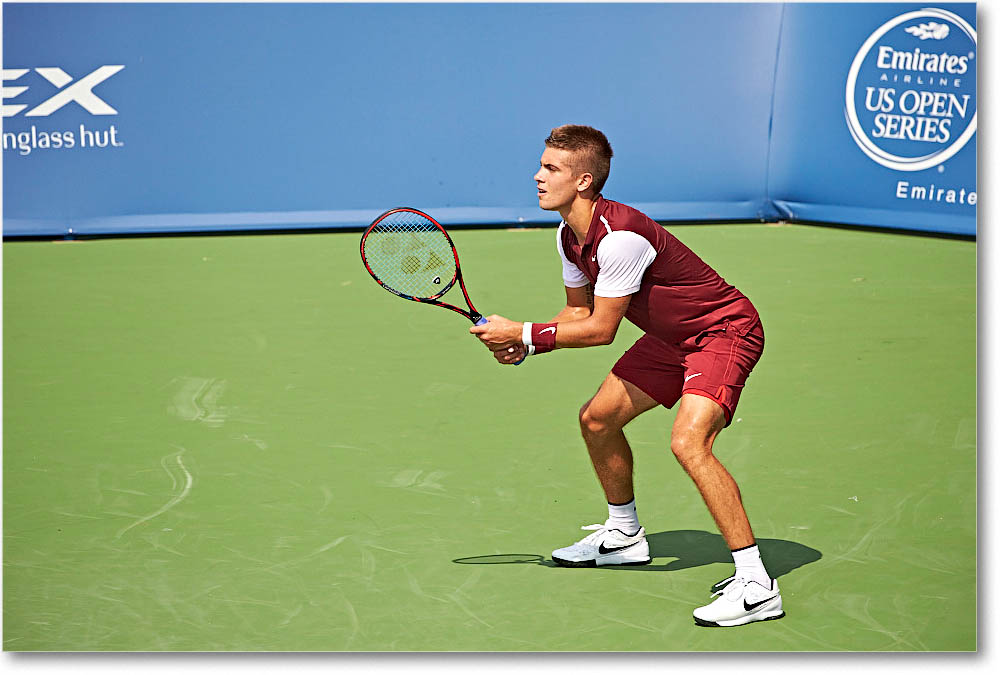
x=472, y=315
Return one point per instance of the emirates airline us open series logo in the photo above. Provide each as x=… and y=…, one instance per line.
x=911, y=90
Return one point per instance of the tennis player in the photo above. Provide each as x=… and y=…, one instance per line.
x=702, y=338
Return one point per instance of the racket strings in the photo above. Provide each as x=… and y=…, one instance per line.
x=411, y=255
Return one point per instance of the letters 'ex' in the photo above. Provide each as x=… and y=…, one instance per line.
x=80, y=91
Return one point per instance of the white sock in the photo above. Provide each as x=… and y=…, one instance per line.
x=623, y=517
x=749, y=564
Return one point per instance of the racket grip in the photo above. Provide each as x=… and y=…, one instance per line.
x=483, y=320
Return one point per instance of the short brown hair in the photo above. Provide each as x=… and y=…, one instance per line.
x=593, y=152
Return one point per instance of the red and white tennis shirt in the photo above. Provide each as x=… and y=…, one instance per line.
x=675, y=294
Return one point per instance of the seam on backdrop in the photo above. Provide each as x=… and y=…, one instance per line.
x=768, y=202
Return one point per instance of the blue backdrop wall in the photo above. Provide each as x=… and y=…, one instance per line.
x=875, y=116
x=194, y=117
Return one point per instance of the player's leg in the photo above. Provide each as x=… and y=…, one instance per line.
x=602, y=420
x=717, y=366
x=621, y=539
x=650, y=373
x=699, y=420
x=750, y=594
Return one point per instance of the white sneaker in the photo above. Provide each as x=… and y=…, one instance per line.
x=741, y=601
x=605, y=547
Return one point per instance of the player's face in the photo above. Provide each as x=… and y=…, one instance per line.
x=557, y=183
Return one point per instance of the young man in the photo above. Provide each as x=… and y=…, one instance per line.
x=702, y=338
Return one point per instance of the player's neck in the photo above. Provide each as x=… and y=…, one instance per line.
x=578, y=216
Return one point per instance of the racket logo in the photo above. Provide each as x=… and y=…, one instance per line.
x=410, y=264
x=437, y=280
x=434, y=262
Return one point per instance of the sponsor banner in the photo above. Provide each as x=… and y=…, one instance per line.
x=875, y=116
x=192, y=117
x=186, y=117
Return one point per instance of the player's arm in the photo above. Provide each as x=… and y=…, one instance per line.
x=623, y=257
x=503, y=337
x=598, y=328
x=593, y=328
x=579, y=304
x=501, y=333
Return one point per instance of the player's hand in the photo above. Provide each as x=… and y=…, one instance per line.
x=498, y=333
x=511, y=355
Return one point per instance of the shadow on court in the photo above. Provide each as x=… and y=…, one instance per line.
x=691, y=548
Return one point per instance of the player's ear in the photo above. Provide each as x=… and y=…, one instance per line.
x=584, y=182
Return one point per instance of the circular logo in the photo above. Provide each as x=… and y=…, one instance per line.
x=911, y=91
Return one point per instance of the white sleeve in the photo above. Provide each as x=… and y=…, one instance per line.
x=572, y=276
x=623, y=256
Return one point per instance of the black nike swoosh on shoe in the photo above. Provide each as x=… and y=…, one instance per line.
x=604, y=550
x=754, y=605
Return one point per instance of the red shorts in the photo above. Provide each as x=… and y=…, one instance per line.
x=715, y=363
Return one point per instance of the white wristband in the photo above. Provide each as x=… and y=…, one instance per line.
x=526, y=334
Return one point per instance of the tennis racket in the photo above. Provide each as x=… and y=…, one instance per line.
x=409, y=254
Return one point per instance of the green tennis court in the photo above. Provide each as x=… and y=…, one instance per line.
x=242, y=443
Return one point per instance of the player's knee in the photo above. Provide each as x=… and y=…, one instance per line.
x=593, y=423
x=690, y=449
